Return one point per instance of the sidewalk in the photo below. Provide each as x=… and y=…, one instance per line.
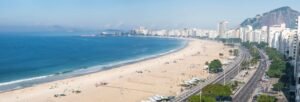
x=243, y=77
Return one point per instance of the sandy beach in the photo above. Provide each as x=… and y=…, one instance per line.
x=129, y=83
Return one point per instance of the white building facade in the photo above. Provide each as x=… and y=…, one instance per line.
x=297, y=64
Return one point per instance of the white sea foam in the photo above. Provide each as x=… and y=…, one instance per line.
x=24, y=80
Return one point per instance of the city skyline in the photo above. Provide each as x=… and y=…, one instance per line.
x=117, y=14
x=150, y=50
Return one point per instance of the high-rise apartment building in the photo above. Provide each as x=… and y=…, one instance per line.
x=297, y=64
x=222, y=28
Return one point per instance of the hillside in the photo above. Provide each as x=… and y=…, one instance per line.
x=277, y=16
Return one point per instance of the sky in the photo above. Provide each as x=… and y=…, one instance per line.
x=127, y=14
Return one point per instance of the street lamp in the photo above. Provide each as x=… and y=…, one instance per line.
x=200, y=95
x=224, y=76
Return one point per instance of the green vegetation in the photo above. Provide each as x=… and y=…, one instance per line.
x=255, y=55
x=278, y=64
x=247, y=44
x=211, y=92
x=262, y=45
x=279, y=68
x=234, y=85
x=253, y=51
x=274, y=54
x=196, y=98
x=214, y=90
x=229, y=40
x=266, y=98
x=278, y=86
x=215, y=66
x=245, y=65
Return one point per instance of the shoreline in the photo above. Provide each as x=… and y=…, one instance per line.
x=133, y=82
x=34, y=81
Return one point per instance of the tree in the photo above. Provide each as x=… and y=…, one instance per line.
x=254, y=52
x=211, y=92
x=195, y=98
x=262, y=45
x=266, y=98
x=246, y=44
x=234, y=85
x=215, y=90
x=215, y=66
x=253, y=61
x=278, y=65
x=245, y=65
x=278, y=86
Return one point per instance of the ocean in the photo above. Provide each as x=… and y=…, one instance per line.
x=29, y=60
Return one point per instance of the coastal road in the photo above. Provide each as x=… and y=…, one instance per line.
x=234, y=71
x=230, y=72
x=246, y=92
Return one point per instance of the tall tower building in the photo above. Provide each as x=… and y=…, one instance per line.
x=298, y=24
x=222, y=28
x=264, y=36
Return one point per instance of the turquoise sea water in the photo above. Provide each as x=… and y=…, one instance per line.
x=27, y=60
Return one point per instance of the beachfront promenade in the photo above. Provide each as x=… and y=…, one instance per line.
x=230, y=71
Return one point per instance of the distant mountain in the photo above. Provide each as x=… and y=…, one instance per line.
x=30, y=28
x=278, y=16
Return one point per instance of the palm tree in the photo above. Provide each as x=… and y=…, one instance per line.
x=253, y=61
x=245, y=65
